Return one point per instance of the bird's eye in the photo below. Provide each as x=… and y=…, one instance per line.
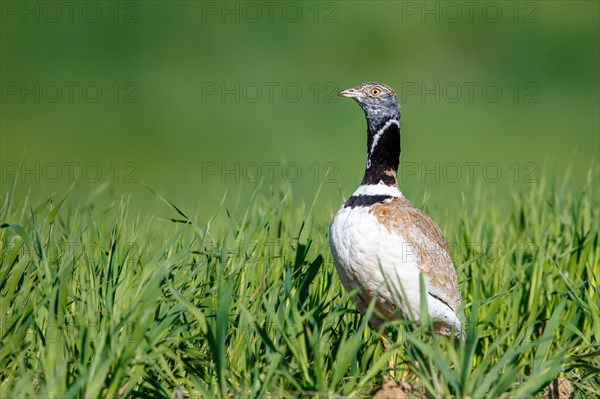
x=375, y=92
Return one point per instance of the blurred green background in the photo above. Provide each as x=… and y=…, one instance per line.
x=201, y=98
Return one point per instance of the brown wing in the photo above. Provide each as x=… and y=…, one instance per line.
x=427, y=243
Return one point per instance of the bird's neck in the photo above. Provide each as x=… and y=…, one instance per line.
x=383, y=153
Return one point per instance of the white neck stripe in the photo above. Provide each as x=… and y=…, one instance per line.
x=378, y=136
x=378, y=189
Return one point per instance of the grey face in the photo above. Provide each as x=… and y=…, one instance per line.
x=377, y=100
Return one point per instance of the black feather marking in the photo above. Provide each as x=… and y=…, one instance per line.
x=384, y=157
x=365, y=200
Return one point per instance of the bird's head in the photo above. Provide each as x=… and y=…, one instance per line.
x=379, y=101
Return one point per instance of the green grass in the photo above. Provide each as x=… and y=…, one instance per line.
x=102, y=302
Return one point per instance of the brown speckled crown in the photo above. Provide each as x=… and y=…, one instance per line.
x=369, y=85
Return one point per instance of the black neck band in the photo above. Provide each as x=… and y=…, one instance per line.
x=383, y=154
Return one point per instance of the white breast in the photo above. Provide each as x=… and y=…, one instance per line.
x=382, y=265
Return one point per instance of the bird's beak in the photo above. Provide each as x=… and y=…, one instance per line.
x=350, y=93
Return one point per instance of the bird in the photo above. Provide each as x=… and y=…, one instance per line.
x=381, y=244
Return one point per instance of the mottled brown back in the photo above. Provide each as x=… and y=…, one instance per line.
x=426, y=242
